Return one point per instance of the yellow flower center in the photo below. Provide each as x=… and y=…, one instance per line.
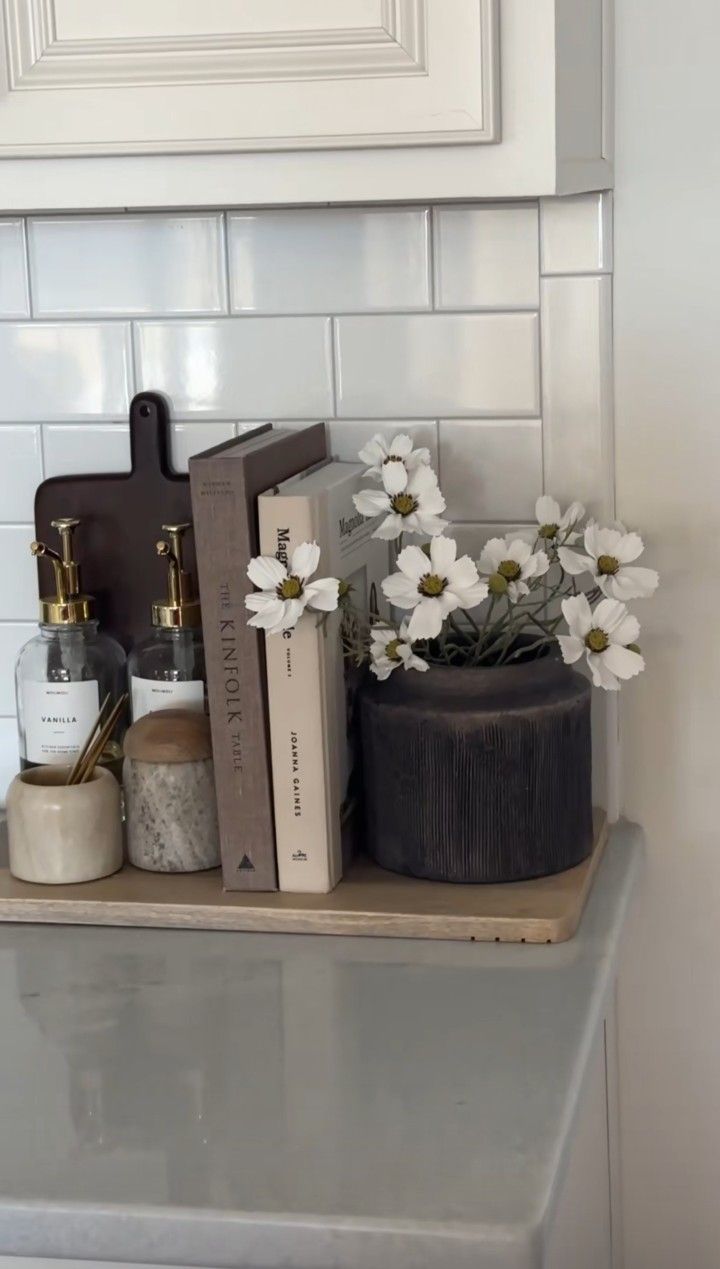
x=404, y=504
x=291, y=588
x=596, y=640
x=509, y=569
x=391, y=650
x=432, y=585
x=607, y=565
x=548, y=531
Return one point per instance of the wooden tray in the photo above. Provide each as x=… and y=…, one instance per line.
x=368, y=901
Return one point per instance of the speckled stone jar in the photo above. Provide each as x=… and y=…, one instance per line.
x=478, y=774
x=169, y=788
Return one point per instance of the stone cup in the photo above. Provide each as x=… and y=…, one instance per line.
x=61, y=834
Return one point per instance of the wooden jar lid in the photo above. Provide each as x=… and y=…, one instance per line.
x=169, y=735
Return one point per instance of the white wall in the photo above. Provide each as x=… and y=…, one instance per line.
x=667, y=350
x=484, y=328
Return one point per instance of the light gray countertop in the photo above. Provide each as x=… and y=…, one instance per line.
x=196, y=1098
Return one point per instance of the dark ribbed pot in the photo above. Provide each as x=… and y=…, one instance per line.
x=478, y=774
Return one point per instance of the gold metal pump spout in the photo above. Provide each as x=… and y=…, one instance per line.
x=67, y=607
x=181, y=608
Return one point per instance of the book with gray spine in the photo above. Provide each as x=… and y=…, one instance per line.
x=224, y=484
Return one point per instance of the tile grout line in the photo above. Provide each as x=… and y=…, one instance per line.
x=543, y=438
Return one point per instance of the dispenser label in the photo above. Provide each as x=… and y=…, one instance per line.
x=58, y=718
x=151, y=694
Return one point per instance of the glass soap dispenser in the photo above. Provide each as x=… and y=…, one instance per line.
x=64, y=673
x=167, y=670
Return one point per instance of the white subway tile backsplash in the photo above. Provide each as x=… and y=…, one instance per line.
x=52, y=372
x=577, y=390
x=347, y=436
x=248, y=367
x=376, y=319
x=20, y=472
x=187, y=439
x=471, y=538
x=329, y=261
x=440, y=364
x=491, y=468
x=76, y=448
x=14, y=293
x=122, y=265
x=13, y=635
x=9, y=761
x=486, y=257
x=18, y=593
x=576, y=233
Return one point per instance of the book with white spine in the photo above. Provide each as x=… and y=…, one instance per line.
x=311, y=752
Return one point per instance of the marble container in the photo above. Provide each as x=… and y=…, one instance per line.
x=61, y=834
x=169, y=788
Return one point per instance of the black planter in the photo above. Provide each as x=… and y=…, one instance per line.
x=478, y=775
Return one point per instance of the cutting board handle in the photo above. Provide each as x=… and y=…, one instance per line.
x=149, y=430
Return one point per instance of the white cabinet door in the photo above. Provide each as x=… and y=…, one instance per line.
x=81, y=77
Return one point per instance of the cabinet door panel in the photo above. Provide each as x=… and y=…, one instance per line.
x=129, y=76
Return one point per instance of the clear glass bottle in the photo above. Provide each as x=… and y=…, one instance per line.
x=64, y=673
x=167, y=670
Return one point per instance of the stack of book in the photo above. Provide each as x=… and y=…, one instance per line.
x=280, y=705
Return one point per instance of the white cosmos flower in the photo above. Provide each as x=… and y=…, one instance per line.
x=416, y=509
x=555, y=525
x=433, y=587
x=510, y=563
x=606, y=637
x=391, y=649
x=609, y=557
x=284, y=593
x=391, y=462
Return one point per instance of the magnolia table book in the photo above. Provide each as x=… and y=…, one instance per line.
x=225, y=482
x=311, y=747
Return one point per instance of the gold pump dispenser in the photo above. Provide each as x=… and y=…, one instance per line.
x=181, y=608
x=68, y=606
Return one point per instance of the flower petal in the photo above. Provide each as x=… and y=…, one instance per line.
x=322, y=594
x=574, y=513
x=383, y=669
x=426, y=621
x=394, y=477
x=577, y=613
x=471, y=596
x=491, y=555
x=627, y=631
x=518, y=549
x=413, y=562
x=574, y=563
x=266, y=572
x=420, y=522
x=422, y=480
x=371, y=502
x=400, y=445
x=629, y=548
x=632, y=582
x=608, y=614
x=623, y=663
x=374, y=451
x=401, y=591
x=389, y=528
x=305, y=559
x=571, y=648
x=547, y=510
x=601, y=675
x=463, y=573
x=442, y=555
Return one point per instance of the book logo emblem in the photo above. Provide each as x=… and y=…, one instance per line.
x=246, y=865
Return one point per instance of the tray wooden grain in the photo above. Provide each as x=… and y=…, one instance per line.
x=368, y=901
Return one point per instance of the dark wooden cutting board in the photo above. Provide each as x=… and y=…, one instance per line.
x=122, y=517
